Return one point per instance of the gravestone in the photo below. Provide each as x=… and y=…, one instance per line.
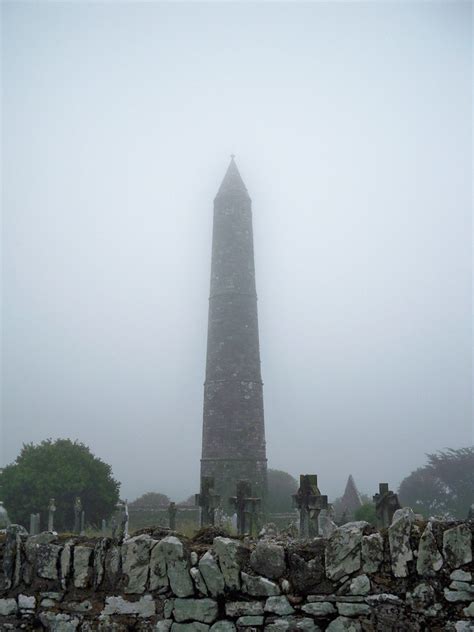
x=208, y=501
x=122, y=533
x=83, y=522
x=4, y=519
x=77, y=515
x=172, y=511
x=310, y=502
x=386, y=504
x=246, y=506
x=470, y=515
x=113, y=527
x=34, y=524
x=51, y=510
x=104, y=527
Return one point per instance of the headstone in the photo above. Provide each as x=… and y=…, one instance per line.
x=51, y=510
x=104, y=527
x=386, y=504
x=470, y=515
x=123, y=521
x=77, y=515
x=113, y=527
x=208, y=501
x=34, y=524
x=309, y=502
x=246, y=506
x=172, y=511
x=83, y=522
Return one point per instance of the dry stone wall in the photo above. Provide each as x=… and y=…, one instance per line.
x=414, y=576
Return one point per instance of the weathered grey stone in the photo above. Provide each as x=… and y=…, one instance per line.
x=8, y=607
x=243, y=608
x=353, y=609
x=422, y=597
x=144, y=607
x=258, y=586
x=429, y=560
x=78, y=606
x=461, y=576
x=112, y=563
x=372, y=552
x=223, y=626
x=59, y=622
x=279, y=605
x=457, y=548
x=457, y=595
x=386, y=598
x=65, y=562
x=164, y=626
x=81, y=564
x=399, y=541
x=26, y=602
x=168, y=608
x=100, y=551
x=212, y=574
x=463, y=626
x=169, y=565
x=319, y=609
x=47, y=560
x=249, y=621
x=193, y=558
x=198, y=580
x=343, y=551
x=343, y=624
x=135, y=563
x=457, y=585
x=230, y=553
x=268, y=559
x=189, y=627
x=292, y=624
x=469, y=611
x=202, y=610
x=360, y=585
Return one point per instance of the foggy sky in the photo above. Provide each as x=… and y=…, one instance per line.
x=351, y=124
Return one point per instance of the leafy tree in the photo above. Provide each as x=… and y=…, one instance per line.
x=445, y=486
x=61, y=469
x=281, y=486
x=151, y=500
x=366, y=512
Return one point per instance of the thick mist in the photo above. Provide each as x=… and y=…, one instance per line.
x=351, y=125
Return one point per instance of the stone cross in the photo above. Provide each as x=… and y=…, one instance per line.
x=51, y=510
x=172, y=511
x=246, y=507
x=208, y=501
x=77, y=515
x=386, y=504
x=310, y=502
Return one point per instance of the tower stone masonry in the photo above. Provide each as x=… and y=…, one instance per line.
x=233, y=443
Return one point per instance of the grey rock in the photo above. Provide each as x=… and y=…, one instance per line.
x=353, y=609
x=429, y=560
x=112, y=563
x=457, y=547
x=383, y=598
x=78, y=606
x=212, y=574
x=65, y=562
x=258, y=586
x=223, y=626
x=169, y=565
x=168, y=608
x=81, y=565
x=319, y=609
x=343, y=551
x=372, y=552
x=293, y=624
x=189, y=627
x=8, y=607
x=469, y=611
x=461, y=576
x=343, y=624
x=100, y=551
x=463, y=626
x=457, y=585
x=422, y=597
x=135, y=563
x=26, y=602
x=202, y=610
x=399, y=540
x=198, y=580
x=193, y=558
x=279, y=605
x=360, y=585
x=144, y=607
x=457, y=595
x=230, y=554
x=268, y=559
x=243, y=608
x=59, y=622
x=164, y=626
x=249, y=621
x=47, y=560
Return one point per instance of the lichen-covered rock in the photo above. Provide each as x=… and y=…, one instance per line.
x=353, y=609
x=47, y=560
x=371, y=552
x=100, y=551
x=469, y=611
x=306, y=567
x=249, y=622
x=461, y=576
x=203, y=610
x=279, y=605
x=319, y=609
x=268, y=559
x=198, y=580
x=360, y=585
x=135, y=563
x=8, y=607
x=457, y=547
x=169, y=565
x=231, y=554
x=457, y=595
x=164, y=625
x=343, y=551
x=26, y=602
x=195, y=626
x=81, y=565
x=242, y=608
x=429, y=560
x=223, y=626
x=59, y=622
x=292, y=624
x=65, y=563
x=259, y=586
x=144, y=607
x=399, y=540
x=213, y=577
x=343, y=624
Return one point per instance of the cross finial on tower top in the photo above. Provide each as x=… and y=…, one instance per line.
x=232, y=156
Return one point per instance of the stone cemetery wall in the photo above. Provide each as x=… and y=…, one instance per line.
x=414, y=576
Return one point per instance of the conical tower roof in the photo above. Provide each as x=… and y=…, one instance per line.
x=232, y=183
x=351, y=500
